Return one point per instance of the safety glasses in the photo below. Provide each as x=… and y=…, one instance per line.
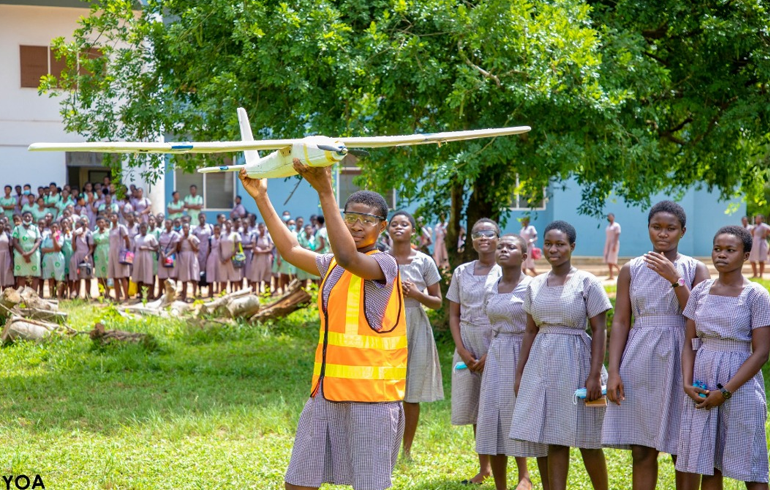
x=365, y=218
x=476, y=235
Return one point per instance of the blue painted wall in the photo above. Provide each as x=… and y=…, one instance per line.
x=705, y=215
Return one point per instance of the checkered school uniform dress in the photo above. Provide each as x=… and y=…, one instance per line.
x=651, y=363
x=730, y=437
x=423, y=372
x=559, y=363
x=467, y=290
x=349, y=443
x=759, y=247
x=509, y=320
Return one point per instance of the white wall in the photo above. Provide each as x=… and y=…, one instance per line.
x=25, y=116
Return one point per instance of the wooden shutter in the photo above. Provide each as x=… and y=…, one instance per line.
x=34, y=64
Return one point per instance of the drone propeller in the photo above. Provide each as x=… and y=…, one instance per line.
x=344, y=150
x=359, y=153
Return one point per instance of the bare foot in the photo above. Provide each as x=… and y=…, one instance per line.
x=477, y=480
x=524, y=484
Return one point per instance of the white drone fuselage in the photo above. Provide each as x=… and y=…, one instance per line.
x=280, y=163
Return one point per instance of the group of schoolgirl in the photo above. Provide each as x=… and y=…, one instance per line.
x=685, y=359
x=685, y=380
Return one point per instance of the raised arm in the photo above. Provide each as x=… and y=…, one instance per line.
x=343, y=245
x=284, y=241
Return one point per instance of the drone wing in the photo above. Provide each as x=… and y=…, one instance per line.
x=248, y=146
x=173, y=147
x=428, y=138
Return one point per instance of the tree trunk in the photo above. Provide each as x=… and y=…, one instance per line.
x=481, y=204
x=454, y=223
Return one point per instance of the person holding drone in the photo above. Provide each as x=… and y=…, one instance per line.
x=350, y=430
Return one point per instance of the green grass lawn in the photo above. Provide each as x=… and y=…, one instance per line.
x=207, y=408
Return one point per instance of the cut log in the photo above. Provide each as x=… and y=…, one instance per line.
x=44, y=315
x=243, y=307
x=179, y=308
x=219, y=305
x=141, y=310
x=30, y=299
x=9, y=299
x=104, y=337
x=293, y=300
x=18, y=328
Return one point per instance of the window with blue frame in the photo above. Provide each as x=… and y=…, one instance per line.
x=217, y=189
x=522, y=201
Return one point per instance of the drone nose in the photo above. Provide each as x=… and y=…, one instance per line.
x=340, y=150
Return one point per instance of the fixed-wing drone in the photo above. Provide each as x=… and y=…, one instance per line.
x=315, y=151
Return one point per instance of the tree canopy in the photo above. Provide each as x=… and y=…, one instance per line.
x=627, y=97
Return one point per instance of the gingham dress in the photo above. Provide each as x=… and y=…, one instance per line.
x=730, y=437
x=423, y=375
x=467, y=290
x=759, y=248
x=559, y=363
x=348, y=443
x=651, y=363
x=508, y=319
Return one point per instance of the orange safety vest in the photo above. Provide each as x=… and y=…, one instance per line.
x=356, y=362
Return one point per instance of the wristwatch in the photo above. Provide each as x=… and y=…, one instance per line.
x=726, y=394
x=679, y=282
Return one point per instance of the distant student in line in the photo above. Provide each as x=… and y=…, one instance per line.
x=726, y=344
x=612, y=245
x=759, y=248
x=350, y=430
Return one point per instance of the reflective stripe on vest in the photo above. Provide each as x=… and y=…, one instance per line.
x=356, y=362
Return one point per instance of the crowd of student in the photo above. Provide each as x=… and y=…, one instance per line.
x=69, y=238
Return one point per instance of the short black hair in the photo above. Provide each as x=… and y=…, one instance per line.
x=486, y=220
x=9, y=187
x=522, y=242
x=196, y=187
x=739, y=232
x=370, y=198
x=408, y=215
x=564, y=227
x=321, y=220
x=668, y=207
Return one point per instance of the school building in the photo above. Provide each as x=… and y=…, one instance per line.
x=26, y=30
